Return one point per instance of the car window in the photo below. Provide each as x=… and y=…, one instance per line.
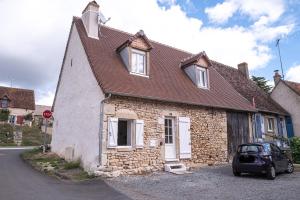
x=250, y=148
x=267, y=147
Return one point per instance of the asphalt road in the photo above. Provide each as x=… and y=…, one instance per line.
x=18, y=181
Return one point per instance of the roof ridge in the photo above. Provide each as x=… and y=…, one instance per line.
x=292, y=82
x=31, y=90
x=160, y=43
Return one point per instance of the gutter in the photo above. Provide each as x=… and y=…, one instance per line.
x=101, y=126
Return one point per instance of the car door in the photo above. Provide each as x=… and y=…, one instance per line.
x=277, y=157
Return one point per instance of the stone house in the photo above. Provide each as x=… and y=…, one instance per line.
x=20, y=102
x=287, y=94
x=269, y=123
x=127, y=104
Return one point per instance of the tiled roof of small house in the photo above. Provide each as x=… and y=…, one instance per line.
x=249, y=89
x=18, y=98
x=293, y=85
x=167, y=81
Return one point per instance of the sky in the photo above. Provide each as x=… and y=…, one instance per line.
x=34, y=34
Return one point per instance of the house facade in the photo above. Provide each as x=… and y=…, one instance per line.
x=269, y=123
x=19, y=102
x=287, y=94
x=125, y=104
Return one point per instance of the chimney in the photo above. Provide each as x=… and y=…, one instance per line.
x=90, y=19
x=243, y=67
x=277, y=77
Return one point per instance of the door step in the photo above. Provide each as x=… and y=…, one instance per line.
x=176, y=168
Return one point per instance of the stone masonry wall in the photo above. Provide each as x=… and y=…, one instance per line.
x=208, y=135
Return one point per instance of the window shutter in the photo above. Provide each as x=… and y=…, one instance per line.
x=112, y=132
x=185, y=137
x=139, y=133
x=262, y=124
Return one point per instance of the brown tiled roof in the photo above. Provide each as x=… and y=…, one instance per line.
x=194, y=58
x=294, y=86
x=248, y=89
x=166, y=82
x=139, y=34
x=18, y=98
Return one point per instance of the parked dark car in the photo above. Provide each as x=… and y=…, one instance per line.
x=265, y=158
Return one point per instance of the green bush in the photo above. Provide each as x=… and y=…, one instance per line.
x=4, y=114
x=295, y=146
x=6, y=135
x=72, y=165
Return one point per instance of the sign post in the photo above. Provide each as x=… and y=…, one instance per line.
x=47, y=114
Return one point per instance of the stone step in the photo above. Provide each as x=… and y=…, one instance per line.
x=175, y=167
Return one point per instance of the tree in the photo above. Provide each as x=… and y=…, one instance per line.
x=4, y=114
x=262, y=83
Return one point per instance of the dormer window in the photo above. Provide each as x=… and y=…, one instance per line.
x=135, y=53
x=197, y=68
x=202, y=77
x=138, y=62
x=4, y=102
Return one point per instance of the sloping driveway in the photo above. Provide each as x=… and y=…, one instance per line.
x=19, y=181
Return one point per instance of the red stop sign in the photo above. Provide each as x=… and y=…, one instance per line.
x=47, y=114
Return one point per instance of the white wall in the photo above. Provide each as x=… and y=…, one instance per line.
x=290, y=101
x=77, y=108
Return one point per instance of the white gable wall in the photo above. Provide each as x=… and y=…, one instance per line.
x=290, y=101
x=77, y=108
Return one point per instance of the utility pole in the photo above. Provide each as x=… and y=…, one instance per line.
x=278, y=47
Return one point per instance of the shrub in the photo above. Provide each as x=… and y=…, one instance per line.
x=295, y=146
x=72, y=165
x=4, y=114
x=28, y=117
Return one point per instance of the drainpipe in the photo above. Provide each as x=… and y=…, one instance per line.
x=101, y=126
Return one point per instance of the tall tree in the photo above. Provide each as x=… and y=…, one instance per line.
x=262, y=83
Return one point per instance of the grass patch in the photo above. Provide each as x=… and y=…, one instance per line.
x=72, y=165
x=53, y=165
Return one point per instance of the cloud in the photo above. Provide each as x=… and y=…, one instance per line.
x=293, y=74
x=263, y=12
x=33, y=43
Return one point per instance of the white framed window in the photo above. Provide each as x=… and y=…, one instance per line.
x=138, y=62
x=4, y=103
x=271, y=124
x=125, y=132
x=202, y=77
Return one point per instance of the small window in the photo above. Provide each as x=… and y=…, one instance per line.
x=4, y=103
x=138, y=62
x=271, y=124
x=202, y=77
x=124, y=132
x=168, y=131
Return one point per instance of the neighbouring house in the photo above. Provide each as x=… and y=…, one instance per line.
x=287, y=94
x=39, y=119
x=269, y=123
x=20, y=103
x=127, y=104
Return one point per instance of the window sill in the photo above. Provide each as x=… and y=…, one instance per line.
x=136, y=74
x=124, y=148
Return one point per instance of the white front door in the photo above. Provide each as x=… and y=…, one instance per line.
x=170, y=147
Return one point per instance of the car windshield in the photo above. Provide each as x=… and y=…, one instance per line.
x=250, y=148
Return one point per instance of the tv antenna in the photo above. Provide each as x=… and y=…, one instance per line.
x=278, y=47
x=102, y=19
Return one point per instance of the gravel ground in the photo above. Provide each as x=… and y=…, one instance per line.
x=208, y=183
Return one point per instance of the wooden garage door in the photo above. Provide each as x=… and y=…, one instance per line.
x=237, y=131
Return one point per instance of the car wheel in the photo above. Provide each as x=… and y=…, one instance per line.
x=271, y=173
x=290, y=168
x=236, y=173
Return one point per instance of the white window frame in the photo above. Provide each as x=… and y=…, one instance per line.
x=200, y=80
x=144, y=54
x=129, y=129
x=271, y=129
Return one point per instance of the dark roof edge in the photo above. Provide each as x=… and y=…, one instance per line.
x=179, y=102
